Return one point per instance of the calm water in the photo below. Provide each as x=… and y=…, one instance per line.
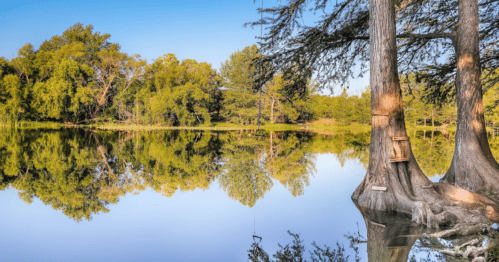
x=76, y=195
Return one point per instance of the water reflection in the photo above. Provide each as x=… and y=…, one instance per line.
x=390, y=237
x=81, y=172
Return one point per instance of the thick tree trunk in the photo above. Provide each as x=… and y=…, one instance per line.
x=394, y=181
x=473, y=167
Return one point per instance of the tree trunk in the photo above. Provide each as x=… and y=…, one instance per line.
x=432, y=119
x=425, y=121
x=473, y=167
x=394, y=181
x=272, y=111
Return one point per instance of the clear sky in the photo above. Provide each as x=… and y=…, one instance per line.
x=208, y=31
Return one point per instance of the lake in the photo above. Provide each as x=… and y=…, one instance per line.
x=86, y=195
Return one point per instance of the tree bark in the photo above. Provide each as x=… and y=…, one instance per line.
x=400, y=185
x=473, y=167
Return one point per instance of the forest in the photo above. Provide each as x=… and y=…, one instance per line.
x=80, y=77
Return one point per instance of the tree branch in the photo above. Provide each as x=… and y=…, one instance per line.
x=427, y=36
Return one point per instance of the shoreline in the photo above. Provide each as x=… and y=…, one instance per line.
x=218, y=127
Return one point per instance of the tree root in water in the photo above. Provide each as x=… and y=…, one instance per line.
x=473, y=249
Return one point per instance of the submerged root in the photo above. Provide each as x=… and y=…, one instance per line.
x=462, y=230
x=448, y=205
x=392, y=235
x=474, y=250
x=432, y=215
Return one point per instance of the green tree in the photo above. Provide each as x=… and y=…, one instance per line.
x=344, y=109
x=12, y=97
x=240, y=86
x=491, y=101
x=177, y=93
x=65, y=95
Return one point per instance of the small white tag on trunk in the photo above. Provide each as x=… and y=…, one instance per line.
x=379, y=188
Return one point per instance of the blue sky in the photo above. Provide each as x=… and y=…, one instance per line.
x=207, y=31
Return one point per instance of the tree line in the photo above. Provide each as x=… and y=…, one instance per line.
x=80, y=77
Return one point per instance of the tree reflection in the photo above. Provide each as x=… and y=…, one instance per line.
x=56, y=167
x=434, y=149
x=296, y=252
x=171, y=161
x=81, y=172
x=390, y=237
x=290, y=160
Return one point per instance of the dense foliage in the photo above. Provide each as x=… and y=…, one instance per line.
x=81, y=77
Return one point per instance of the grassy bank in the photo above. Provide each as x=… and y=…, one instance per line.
x=216, y=126
x=228, y=126
x=338, y=128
